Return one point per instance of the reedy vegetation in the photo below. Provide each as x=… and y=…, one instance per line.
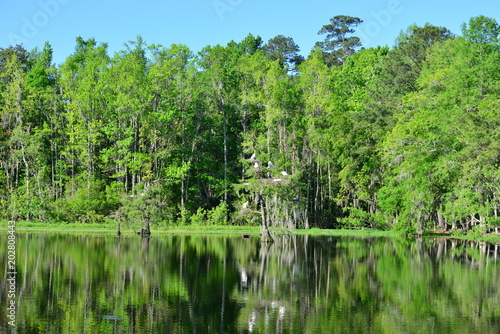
x=405, y=138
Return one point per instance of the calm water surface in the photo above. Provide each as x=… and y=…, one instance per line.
x=226, y=284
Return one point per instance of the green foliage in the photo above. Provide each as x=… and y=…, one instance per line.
x=482, y=29
x=23, y=205
x=284, y=50
x=338, y=44
x=477, y=231
x=218, y=215
x=356, y=218
x=405, y=229
x=359, y=218
x=248, y=133
x=90, y=203
x=199, y=218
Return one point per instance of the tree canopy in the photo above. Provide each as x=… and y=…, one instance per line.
x=250, y=133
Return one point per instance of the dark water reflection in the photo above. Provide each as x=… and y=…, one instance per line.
x=226, y=284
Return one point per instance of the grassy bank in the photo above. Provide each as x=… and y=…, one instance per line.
x=24, y=226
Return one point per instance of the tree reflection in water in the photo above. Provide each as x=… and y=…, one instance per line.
x=226, y=284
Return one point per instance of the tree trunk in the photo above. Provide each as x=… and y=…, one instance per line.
x=441, y=224
x=225, y=149
x=264, y=227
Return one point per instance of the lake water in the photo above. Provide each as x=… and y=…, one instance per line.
x=69, y=283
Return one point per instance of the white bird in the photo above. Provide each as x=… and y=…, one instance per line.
x=270, y=164
x=252, y=157
x=284, y=173
x=256, y=165
x=245, y=205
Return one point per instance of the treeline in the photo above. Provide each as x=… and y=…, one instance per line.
x=253, y=133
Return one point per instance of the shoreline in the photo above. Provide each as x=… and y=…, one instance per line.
x=252, y=230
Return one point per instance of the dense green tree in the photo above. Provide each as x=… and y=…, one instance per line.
x=403, y=138
x=249, y=45
x=315, y=83
x=173, y=126
x=482, y=30
x=434, y=150
x=42, y=74
x=338, y=43
x=359, y=129
x=83, y=88
x=220, y=81
x=284, y=50
x=403, y=64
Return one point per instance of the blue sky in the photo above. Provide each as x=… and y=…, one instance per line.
x=197, y=23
